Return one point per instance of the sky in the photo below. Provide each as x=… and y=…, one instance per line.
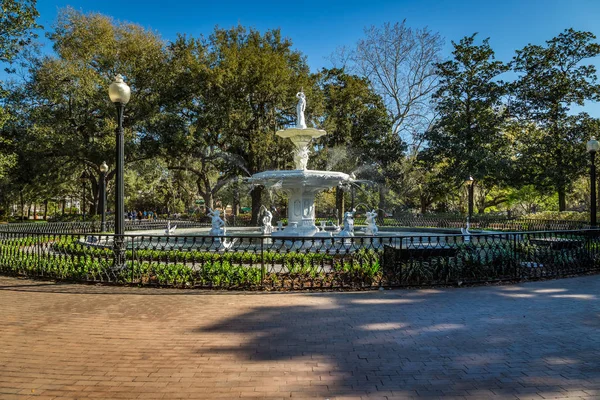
x=317, y=28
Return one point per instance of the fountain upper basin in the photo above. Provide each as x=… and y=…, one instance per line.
x=308, y=178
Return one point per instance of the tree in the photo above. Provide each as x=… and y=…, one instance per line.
x=17, y=24
x=400, y=63
x=249, y=92
x=551, y=80
x=469, y=139
x=69, y=120
x=354, y=117
x=360, y=138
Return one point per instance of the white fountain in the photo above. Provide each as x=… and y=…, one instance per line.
x=301, y=184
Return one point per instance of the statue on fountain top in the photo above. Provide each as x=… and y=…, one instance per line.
x=300, y=107
x=300, y=134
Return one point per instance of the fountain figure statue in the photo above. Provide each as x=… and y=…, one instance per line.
x=371, y=229
x=170, y=229
x=466, y=233
x=300, y=107
x=348, y=230
x=267, y=228
x=217, y=224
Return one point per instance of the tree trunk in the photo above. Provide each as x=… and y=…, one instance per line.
x=95, y=206
x=256, y=196
x=562, y=201
x=209, y=200
x=423, y=204
x=29, y=211
x=339, y=203
x=380, y=212
x=22, y=205
x=236, y=198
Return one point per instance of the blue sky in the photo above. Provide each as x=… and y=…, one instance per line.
x=317, y=28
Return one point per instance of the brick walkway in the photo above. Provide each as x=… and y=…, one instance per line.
x=527, y=341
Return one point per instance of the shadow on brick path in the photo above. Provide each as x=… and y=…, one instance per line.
x=538, y=339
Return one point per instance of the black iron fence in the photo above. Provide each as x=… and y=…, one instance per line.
x=251, y=262
x=484, y=223
x=478, y=223
x=94, y=226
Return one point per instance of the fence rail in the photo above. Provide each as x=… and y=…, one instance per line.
x=94, y=226
x=477, y=223
x=260, y=262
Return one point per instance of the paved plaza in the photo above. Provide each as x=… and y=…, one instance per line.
x=528, y=341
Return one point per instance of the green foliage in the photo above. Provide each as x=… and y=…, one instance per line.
x=559, y=216
x=483, y=259
x=468, y=138
x=204, y=113
x=238, y=89
x=17, y=22
x=551, y=138
x=66, y=122
x=356, y=121
x=527, y=200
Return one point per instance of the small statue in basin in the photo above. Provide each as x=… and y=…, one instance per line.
x=371, y=229
x=217, y=224
x=348, y=230
x=267, y=228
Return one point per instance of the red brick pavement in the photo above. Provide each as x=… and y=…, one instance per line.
x=528, y=341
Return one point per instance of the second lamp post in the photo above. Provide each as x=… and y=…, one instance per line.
x=82, y=179
x=469, y=183
x=592, y=147
x=103, y=171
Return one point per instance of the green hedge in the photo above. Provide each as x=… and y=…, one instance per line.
x=68, y=259
x=559, y=216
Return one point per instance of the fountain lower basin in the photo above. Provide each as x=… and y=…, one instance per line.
x=302, y=187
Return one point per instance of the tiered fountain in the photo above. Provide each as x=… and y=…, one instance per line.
x=301, y=184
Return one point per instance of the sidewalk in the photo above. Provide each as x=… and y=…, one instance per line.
x=527, y=341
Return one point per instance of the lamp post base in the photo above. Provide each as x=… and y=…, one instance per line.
x=119, y=253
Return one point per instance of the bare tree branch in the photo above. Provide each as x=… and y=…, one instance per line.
x=400, y=63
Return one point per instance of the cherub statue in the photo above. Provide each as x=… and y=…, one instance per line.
x=466, y=233
x=267, y=228
x=217, y=224
x=371, y=229
x=348, y=223
x=300, y=107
